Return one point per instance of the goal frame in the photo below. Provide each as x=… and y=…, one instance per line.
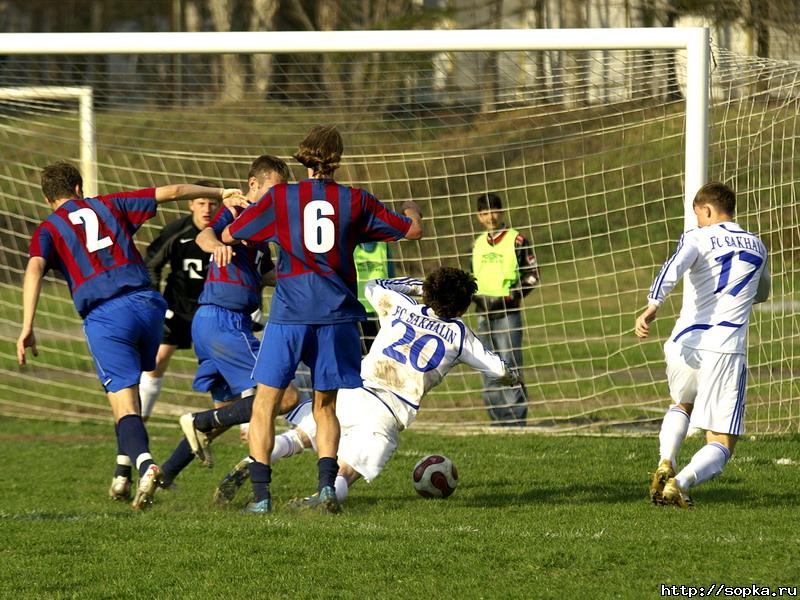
x=87, y=131
x=695, y=40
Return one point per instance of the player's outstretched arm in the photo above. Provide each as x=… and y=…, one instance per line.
x=412, y=211
x=642, y=328
x=186, y=191
x=208, y=241
x=31, y=289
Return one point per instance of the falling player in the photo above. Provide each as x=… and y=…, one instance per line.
x=313, y=318
x=706, y=353
x=416, y=346
x=90, y=241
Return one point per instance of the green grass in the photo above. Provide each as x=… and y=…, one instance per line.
x=534, y=517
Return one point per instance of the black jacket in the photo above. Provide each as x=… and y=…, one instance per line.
x=175, y=246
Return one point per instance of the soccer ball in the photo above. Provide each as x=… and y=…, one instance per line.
x=435, y=476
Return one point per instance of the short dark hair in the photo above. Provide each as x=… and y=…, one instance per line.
x=321, y=150
x=718, y=195
x=59, y=180
x=267, y=163
x=449, y=291
x=206, y=183
x=489, y=202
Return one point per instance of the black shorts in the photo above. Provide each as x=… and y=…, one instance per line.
x=177, y=331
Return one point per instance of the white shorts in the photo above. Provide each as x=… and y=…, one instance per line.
x=368, y=430
x=714, y=382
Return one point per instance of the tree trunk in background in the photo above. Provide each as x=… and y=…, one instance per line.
x=328, y=14
x=576, y=78
x=539, y=57
x=233, y=73
x=262, y=18
x=492, y=77
x=645, y=83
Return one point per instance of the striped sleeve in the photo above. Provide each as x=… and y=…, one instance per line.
x=383, y=294
x=380, y=223
x=257, y=222
x=673, y=270
x=475, y=354
x=224, y=217
x=138, y=206
x=41, y=244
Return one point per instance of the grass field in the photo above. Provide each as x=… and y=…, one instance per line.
x=534, y=517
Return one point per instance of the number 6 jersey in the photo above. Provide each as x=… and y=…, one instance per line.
x=317, y=224
x=415, y=349
x=727, y=269
x=90, y=242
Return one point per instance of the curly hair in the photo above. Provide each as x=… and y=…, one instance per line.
x=448, y=291
x=59, y=180
x=321, y=150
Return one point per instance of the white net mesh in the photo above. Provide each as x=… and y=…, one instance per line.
x=585, y=148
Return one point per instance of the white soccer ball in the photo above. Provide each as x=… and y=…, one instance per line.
x=435, y=476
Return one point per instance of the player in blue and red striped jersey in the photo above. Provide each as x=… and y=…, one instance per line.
x=317, y=224
x=90, y=241
x=222, y=325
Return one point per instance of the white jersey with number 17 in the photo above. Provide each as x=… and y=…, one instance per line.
x=727, y=270
x=415, y=348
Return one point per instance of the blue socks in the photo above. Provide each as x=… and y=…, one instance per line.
x=133, y=441
x=260, y=477
x=123, y=467
x=328, y=469
x=233, y=414
x=180, y=459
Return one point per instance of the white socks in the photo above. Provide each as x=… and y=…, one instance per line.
x=286, y=444
x=342, y=488
x=673, y=431
x=149, y=389
x=705, y=464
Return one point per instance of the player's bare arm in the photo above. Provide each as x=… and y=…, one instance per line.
x=208, y=241
x=31, y=289
x=643, y=321
x=185, y=191
x=227, y=238
x=412, y=211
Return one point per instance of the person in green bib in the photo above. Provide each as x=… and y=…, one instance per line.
x=506, y=271
x=372, y=262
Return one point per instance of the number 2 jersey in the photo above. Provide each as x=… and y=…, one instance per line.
x=415, y=349
x=725, y=266
x=90, y=242
x=317, y=224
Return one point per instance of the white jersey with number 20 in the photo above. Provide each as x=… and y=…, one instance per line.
x=415, y=349
x=728, y=273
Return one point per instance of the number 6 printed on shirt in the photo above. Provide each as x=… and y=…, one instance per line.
x=91, y=224
x=319, y=233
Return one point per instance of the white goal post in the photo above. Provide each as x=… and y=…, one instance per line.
x=695, y=40
x=87, y=141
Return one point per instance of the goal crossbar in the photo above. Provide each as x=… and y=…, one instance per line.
x=694, y=40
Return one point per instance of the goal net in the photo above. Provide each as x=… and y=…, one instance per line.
x=585, y=148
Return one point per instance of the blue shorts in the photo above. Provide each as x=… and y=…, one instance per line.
x=226, y=352
x=123, y=335
x=332, y=352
